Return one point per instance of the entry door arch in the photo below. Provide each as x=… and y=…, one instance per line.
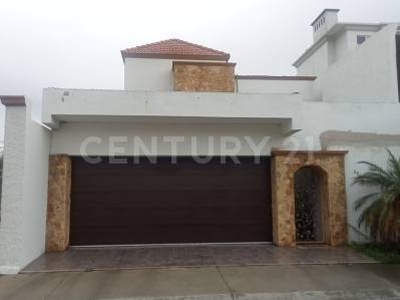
x=311, y=200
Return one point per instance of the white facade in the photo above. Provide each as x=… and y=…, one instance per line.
x=24, y=194
x=366, y=74
x=352, y=104
x=149, y=74
x=337, y=44
x=66, y=105
x=275, y=86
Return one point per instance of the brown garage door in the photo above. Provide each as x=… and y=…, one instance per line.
x=184, y=202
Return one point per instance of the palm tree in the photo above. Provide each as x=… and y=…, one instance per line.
x=381, y=210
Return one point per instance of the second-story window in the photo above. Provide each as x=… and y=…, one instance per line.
x=362, y=38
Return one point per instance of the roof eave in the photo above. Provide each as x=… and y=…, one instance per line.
x=223, y=57
x=309, y=52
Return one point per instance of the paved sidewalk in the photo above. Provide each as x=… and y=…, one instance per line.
x=193, y=256
x=312, y=282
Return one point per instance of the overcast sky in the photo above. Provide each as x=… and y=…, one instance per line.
x=76, y=43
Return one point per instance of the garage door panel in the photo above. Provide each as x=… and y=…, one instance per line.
x=186, y=163
x=169, y=185
x=171, y=216
x=171, y=234
x=174, y=199
x=167, y=203
x=169, y=181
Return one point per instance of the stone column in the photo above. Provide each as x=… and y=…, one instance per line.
x=58, y=203
x=337, y=201
x=283, y=205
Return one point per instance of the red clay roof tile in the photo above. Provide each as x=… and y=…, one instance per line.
x=175, y=49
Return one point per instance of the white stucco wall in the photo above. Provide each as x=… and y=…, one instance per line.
x=147, y=74
x=35, y=191
x=315, y=64
x=352, y=38
x=303, y=87
x=341, y=46
x=366, y=74
x=356, y=117
x=133, y=106
x=101, y=138
x=12, y=204
x=24, y=194
x=317, y=117
x=346, y=41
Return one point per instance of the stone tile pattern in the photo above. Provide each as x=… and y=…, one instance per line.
x=58, y=203
x=284, y=166
x=85, y=259
x=204, y=77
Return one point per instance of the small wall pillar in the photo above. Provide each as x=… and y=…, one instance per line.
x=58, y=203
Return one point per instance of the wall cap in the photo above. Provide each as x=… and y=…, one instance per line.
x=272, y=77
x=200, y=63
x=13, y=100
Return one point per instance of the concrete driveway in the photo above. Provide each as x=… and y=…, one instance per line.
x=361, y=281
x=125, y=258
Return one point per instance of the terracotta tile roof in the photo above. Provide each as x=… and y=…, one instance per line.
x=175, y=49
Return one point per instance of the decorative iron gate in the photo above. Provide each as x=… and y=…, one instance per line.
x=308, y=205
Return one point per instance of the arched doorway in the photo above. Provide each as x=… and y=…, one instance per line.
x=310, y=202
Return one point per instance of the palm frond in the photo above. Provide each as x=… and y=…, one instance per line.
x=364, y=200
x=370, y=217
x=393, y=164
x=375, y=176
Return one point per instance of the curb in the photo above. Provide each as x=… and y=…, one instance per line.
x=383, y=294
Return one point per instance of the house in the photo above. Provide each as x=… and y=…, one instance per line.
x=191, y=152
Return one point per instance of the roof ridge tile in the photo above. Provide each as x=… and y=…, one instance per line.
x=175, y=49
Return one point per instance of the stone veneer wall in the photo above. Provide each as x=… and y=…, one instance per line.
x=58, y=203
x=284, y=166
x=204, y=77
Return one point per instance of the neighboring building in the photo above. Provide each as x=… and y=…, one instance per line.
x=158, y=162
